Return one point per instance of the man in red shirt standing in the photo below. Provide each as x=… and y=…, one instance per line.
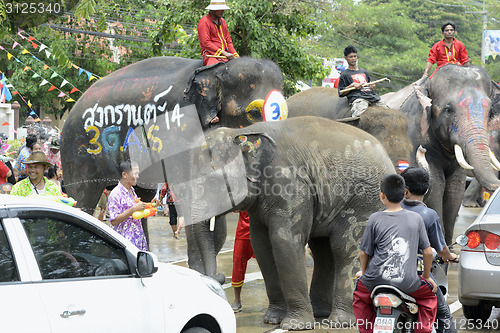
x=447, y=51
x=213, y=35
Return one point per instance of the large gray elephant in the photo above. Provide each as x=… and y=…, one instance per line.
x=389, y=126
x=449, y=116
x=141, y=107
x=305, y=180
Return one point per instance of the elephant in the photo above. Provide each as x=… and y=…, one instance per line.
x=449, y=115
x=142, y=106
x=473, y=196
x=304, y=180
x=389, y=126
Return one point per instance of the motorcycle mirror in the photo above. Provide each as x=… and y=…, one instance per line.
x=462, y=240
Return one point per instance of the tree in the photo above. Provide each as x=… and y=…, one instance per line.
x=275, y=30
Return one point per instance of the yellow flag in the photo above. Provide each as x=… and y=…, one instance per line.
x=70, y=100
x=9, y=55
x=25, y=51
x=29, y=103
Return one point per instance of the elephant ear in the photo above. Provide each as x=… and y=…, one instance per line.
x=258, y=151
x=204, y=91
x=494, y=122
x=421, y=92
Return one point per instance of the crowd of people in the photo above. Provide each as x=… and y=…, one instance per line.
x=36, y=170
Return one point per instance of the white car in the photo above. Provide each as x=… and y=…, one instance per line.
x=61, y=270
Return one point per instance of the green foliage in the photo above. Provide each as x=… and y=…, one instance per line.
x=393, y=37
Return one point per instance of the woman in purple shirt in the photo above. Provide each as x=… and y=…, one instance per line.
x=122, y=204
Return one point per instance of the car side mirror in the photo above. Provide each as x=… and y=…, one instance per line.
x=145, y=264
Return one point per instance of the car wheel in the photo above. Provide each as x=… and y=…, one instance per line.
x=481, y=311
x=196, y=330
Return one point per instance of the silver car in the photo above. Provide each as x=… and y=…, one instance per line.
x=479, y=269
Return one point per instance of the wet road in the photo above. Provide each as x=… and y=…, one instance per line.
x=254, y=297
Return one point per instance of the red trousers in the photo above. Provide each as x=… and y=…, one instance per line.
x=242, y=253
x=365, y=311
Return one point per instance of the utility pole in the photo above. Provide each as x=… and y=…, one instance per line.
x=485, y=21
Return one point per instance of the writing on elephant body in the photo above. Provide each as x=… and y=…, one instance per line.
x=111, y=117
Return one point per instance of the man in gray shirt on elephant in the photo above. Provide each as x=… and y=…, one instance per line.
x=356, y=81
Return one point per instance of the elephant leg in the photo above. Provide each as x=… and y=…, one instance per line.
x=263, y=250
x=321, y=292
x=344, y=243
x=203, y=246
x=452, y=200
x=288, y=243
x=472, y=195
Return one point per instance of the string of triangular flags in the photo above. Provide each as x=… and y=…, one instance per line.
x=16, y=92
x=44, y=82
x=44, y=47
x=45, y=67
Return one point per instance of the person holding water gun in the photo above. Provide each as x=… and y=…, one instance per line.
x=122, y=204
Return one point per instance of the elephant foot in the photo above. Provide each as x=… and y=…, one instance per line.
x=472, y=204
x=219, y=278
x=342, y=316
x=298, y=323
x=274, y=315
x=321, y=310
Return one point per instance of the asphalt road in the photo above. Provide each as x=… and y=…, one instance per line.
x=254, y=297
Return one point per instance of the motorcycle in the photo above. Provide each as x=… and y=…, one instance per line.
x=398, y=312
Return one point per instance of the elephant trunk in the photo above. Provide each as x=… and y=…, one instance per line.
x=480, y=159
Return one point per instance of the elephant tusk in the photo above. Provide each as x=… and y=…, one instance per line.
x=494, y=167
x=421, y=160
x=494, y=161
x=212, y=223
x=459, y=154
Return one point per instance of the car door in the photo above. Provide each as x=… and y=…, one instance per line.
x=21, y=309
x=85, y=281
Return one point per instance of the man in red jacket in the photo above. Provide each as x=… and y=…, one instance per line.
x=213, y=35
x=447, y=51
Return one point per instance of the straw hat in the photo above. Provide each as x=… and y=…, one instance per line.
x=217, y=5
x=37, y=157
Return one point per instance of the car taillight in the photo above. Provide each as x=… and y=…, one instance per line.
x=477, y=237
x=492, y=241
x=474, y=239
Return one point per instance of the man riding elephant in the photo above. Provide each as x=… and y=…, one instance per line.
x=213, y=35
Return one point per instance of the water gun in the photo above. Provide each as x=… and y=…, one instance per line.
x=67, y=201
x=150, y=210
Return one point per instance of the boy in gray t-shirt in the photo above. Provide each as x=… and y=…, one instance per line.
x=389, y=256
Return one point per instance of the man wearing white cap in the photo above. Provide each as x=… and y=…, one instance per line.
x=216, y=44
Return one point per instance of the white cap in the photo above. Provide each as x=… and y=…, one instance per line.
x=217, y=5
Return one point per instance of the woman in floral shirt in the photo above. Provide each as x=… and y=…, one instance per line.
x=122, y=204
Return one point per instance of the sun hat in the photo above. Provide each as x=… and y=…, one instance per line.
x=54, y=144
x=37, y=157
x=217, y=5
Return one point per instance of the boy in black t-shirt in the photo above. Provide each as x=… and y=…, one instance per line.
x=389, y=256
x=362, y=96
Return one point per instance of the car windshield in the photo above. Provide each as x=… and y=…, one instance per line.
x=494, y=207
